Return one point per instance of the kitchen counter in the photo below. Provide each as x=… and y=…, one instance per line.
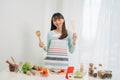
x=6, y=75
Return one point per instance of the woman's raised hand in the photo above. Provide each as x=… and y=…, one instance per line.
x=74, y=38
x=42, y=45
x=74, y=31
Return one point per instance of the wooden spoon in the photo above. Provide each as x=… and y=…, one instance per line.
x=38, y=34
x=73, y=25
x=13, y=60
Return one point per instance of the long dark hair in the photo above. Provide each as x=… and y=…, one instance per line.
x=53, y=27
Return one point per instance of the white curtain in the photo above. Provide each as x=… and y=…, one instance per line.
x=97, y=23
x=99, y=40
x=99, y=35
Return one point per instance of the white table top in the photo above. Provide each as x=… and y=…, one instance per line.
x=6, y=75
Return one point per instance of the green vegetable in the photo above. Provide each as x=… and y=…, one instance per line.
x=26, y=67
x=78, y=74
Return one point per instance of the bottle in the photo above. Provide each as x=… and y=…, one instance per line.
x=81, y=67
x=100, y=70
x=91, y=70
x=95, y=72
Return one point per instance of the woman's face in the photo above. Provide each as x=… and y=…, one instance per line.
x=58, y=22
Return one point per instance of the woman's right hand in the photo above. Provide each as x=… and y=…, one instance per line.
x=41, y=44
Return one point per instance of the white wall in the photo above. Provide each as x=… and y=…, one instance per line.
x=19, y=19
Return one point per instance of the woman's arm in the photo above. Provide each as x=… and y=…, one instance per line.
x=48, y=41
x=42, y=45
x=71, y=43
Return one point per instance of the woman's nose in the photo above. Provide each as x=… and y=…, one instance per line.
x=57, y=21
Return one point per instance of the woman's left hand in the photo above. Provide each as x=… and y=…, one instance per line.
x=74, y=38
